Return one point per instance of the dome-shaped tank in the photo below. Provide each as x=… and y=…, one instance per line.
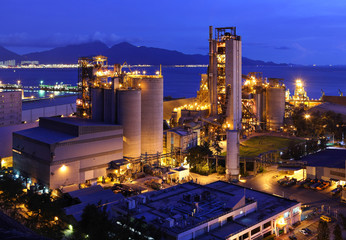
x=129, y=116
x=152, y=115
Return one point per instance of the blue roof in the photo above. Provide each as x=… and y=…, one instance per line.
x=45, y=135
x=332, y=158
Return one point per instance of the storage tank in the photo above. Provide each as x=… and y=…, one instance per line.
x=129, y=116
x=275, y=107
x=97, y=104
x=152, y=114
x=259, y=107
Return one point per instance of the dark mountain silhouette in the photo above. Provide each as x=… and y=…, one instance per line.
x=68, y=54
x=148, y=55
x=8, y=55
x=118, y=53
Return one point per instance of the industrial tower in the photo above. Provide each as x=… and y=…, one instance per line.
x=224, y=80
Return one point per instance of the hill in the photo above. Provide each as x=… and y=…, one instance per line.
x=118, y=53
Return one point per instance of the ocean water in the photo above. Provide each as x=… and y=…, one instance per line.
x=184, y=81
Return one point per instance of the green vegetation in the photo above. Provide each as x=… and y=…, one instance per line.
x=261, y=144
x=317, y=124
x=337, y=232
x=322, y=231
x=97, y=224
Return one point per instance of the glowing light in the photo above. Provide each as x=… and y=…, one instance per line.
x=281, y=222
x=51, y=95
x=56, y=218
x=307, y=116
x=63, y=168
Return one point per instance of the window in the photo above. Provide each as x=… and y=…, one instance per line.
x=286, y=214
x=296, y=210
x=245, y=236
x=267, y=224
x=256, y=230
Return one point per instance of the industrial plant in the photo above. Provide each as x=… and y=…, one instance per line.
x=123, y=127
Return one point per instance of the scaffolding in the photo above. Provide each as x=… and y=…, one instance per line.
x=92, y=73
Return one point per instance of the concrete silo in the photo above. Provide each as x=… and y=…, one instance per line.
x=129, y=116
x=275, y=105
x=152, y=114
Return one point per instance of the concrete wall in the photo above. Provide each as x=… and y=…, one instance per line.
x=10, y=108
x=6, y=137
x=85, y=157
x=325, y=173
x=34, y=114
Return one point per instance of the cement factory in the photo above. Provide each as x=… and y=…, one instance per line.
x=119, y=131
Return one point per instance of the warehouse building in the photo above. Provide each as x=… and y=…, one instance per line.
x=65, y=151
x=328, y=165
x=219, y=210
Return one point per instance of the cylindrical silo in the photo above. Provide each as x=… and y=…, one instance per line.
x=232, y=157
x=152, y=114
x=275, y=107
x=129, y=116
x=97, y=103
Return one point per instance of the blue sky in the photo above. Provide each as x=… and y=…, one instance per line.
x=295, y=31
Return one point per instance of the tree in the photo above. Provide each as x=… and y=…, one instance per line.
x=11, y=191
x=94, y=223
x=322, y=231
x=199, y=154
x=337, y=232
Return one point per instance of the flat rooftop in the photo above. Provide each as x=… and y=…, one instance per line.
x=45, y=135
x=332, y=158
x=56, y=129
x=41, y=103
x=190, y=205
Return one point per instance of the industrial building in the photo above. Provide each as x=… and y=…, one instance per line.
x=181, y=139
x=66, y=151
x=32, y=110
x=218, y=210
x=119, y=121
x=10, y=108
x=327, y=165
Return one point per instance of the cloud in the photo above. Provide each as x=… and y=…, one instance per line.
x=58, y=39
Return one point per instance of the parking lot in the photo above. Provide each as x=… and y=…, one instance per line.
x=317, y=202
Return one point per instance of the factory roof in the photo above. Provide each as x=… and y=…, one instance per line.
x=180, y=131
x=75, y=121
x=335, y=99
x=56, y=129
x=45, y=135
x=92, y=195
x=329, y=106
x=332, y=158
x=48, y=102
x=168, y=106
x=190, y=205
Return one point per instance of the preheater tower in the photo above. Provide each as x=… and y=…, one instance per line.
x=224, y=81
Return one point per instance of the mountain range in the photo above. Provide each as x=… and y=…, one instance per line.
x=118, y=53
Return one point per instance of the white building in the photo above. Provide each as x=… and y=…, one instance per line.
x=219, y=210
x=65, y=151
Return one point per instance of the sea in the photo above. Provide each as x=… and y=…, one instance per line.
x=183, y=81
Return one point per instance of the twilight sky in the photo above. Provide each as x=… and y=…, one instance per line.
x=295, y=31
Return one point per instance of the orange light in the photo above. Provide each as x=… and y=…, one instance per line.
x=63, y=168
